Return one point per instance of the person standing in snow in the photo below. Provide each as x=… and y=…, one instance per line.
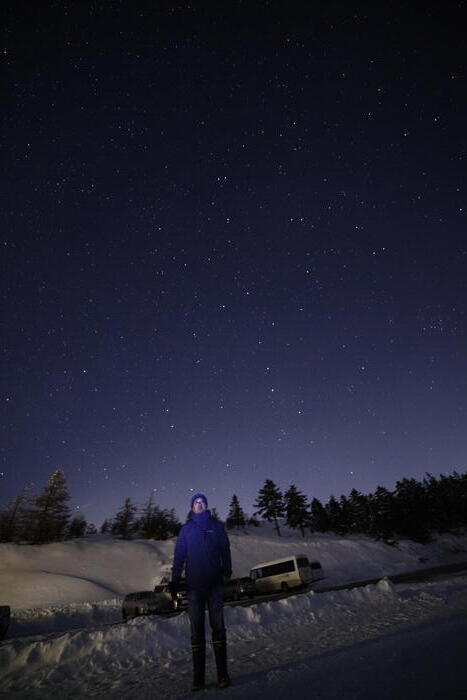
x=203, y=549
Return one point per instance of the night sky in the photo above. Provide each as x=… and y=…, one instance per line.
x=234, y=247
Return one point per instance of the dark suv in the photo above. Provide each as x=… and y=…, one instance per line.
x=236, y=588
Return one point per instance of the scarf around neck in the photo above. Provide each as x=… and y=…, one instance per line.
x=201, y=519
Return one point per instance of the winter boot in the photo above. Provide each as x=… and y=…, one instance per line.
x=220, y=653
x=199, y=663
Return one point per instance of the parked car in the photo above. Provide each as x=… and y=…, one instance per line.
x=4, y=620
x=317, y=572
x=154, y=602
x=236, y=588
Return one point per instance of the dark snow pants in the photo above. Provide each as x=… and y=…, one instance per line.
x=213, y=597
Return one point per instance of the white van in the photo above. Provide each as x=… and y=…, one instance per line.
x=293, y=571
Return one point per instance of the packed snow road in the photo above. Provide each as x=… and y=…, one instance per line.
x=358, y=643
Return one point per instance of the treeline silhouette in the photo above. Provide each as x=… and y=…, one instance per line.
x=150, y=522
x=413, y=510
x=42, y=518
x=47, y=518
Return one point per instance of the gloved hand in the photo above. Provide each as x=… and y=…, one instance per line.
x=173, y=588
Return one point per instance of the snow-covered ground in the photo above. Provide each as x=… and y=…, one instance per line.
x=66, y=636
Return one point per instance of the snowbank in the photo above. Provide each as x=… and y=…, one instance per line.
x=81, y=583
x=84, y=570
x=100, y=568
x=324, y=620
x=146, y=639
x=66, y=635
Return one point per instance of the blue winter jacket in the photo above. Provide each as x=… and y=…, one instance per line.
x=203, y=548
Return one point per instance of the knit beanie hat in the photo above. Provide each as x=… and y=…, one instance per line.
x=198, y=495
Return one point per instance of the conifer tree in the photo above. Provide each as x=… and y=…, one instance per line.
x=77, y=527
x=148, y=523
x=215, y=514
x=106, y=527
x=319, y=519
x=345, y=515
x=462, y=492
x=236, y=517
x=173, y=523
x=123, y=524
x=335, y=515
x=359, y=512
x=411, y=510
x=445, y=501
x=296, y=509
x=157, y=523
x=12, y=516
x=48, y=518
x=381, y=508
x=270, y=504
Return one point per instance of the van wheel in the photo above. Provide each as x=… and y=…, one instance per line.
x=284, y=587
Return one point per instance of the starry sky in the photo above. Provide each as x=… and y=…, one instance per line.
x=234, y=247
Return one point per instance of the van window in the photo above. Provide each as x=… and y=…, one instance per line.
x=315, y=565
x=303, y=561
x=283, y=567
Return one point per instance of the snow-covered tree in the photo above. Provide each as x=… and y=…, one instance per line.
x=270, y=504
x=236, y=517
x=296, y=509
